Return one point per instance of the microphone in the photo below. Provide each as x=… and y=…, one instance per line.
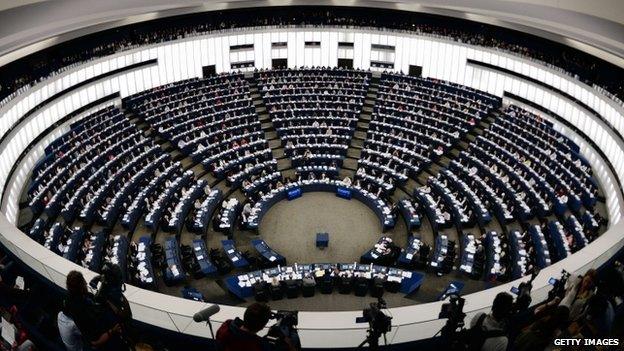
x=205, y=314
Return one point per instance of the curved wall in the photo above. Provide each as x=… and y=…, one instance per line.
x=594, y=27
x=184, y=59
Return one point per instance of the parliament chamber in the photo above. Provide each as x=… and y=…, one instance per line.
x=312, y=166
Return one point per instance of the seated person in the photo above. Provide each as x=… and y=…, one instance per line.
x=346, y=181
x=236, y=334
x=246, y=211
x=308, y=280
x=96, y=327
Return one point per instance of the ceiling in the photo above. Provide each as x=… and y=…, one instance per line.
x=596, y=27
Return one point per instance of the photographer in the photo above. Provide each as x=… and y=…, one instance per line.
x=97, y=327
x=237, y=334
x=490, y=330
x=580, y=289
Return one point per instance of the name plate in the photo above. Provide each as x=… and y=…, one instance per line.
x=294, y=193
x=343, y=193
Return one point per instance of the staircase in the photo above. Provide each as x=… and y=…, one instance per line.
x=357, y=141
x=270, y=134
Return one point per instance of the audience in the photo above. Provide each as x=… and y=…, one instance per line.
x=540, y=334
x=90, y=318
x=18, y=76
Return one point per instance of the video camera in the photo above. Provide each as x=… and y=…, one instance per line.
x=454, y=312
x=379, y=323
x=110, y=281
x=523, y=301
x=285, y=327
x=558, y=289
x=110, y=295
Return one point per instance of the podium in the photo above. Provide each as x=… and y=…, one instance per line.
x=322, y=240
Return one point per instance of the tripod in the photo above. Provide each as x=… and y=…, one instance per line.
x=372, y=339
x=211, y=331
x=449, y=334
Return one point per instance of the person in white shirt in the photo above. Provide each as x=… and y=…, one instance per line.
x=246, y=211
x=69, y=332
x=232, y=202
x=346, y=181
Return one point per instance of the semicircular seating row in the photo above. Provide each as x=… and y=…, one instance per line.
x=117, y=167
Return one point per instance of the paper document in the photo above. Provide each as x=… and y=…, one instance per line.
x=19, y=282
x=8, y=331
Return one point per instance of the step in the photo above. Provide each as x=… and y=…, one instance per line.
x=434, y=169
x=278, y=153
x=354, y=153
x=187, y=163
x=360, y=134
x=284, y=164
x=269, y=135
x=275, y=143
x=350, y=163
x=444, y=160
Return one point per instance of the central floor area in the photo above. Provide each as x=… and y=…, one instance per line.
x=290, y=228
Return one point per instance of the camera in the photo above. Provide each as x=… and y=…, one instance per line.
x=558, y=289
x=523, y=301
x=110, y=296
x=378, y=320
x=379, y=323
x=110, y=281
x=453, y=311
x=285, y=327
